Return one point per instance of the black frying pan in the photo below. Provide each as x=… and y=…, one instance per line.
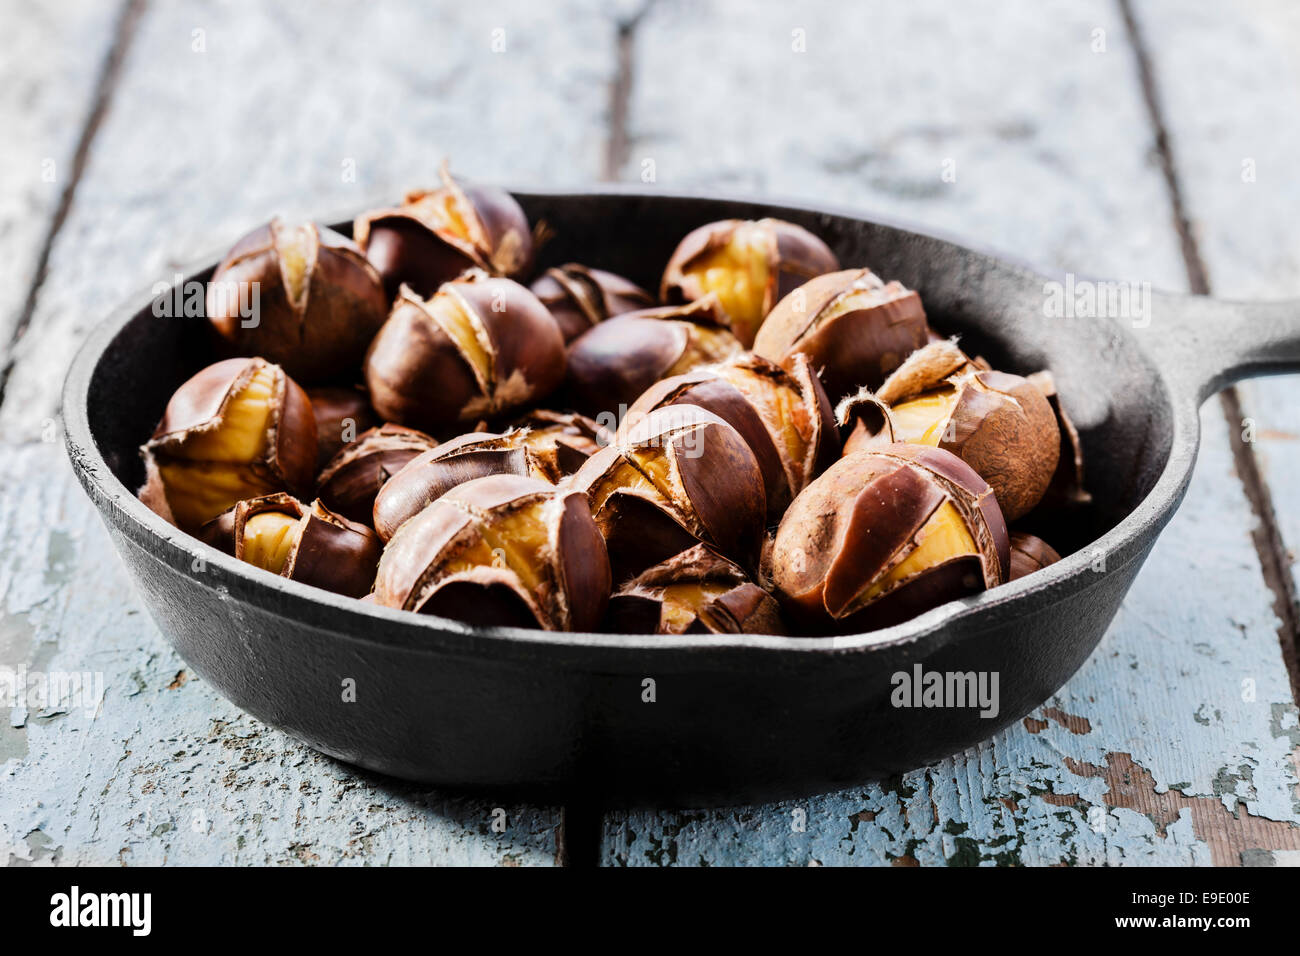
x=733, y=718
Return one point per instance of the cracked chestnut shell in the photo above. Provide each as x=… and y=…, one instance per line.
x=435, y=235
x=342, y=414
x=884, y=535
x=580, y=297
x=353, y=477
x=695, y=592
x=319, y=302
x=479, y=348
x=551, y=447
x=675, y=478
x=1029, y=554
x=610, y=365
x=748, y=265
x=1066, y=490
x=500, y=550
x=854, y=328
x=785, y=417
x=240, y=428
x=280, y=534
x=999, y=424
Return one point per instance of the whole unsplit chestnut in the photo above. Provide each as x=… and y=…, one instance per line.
x=580, y=297
x=611, y=364
x=500, y=550
x=435, y=235
x=342, y=413
x=302, y=296
x=353, y=477
x=280, y=534
x=479, y=348
x=556, y=447
x=999, y=424
x=785, y=417
x=885, y=535
x=1029, y=554
x=695, y=592
x=240, y=428
x=854, y=328
x=749, y=266
x=675, y=478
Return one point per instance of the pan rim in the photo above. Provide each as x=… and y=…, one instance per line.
x=371, y=624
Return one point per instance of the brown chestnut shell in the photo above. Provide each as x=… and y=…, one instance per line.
x=839, y=556
x=999, y=424
x=479, y=348
x=328, y=550
x=695, y=592
x=342, y=414
x=675, y=478
x=779, y=255
x=435, y=235
x=784, y=416
x=611, y=364
x=188, y=442
x=1029, y=554
x=580, y=297
x=350, y=481
x=318, y=300
x=854, y=328
x=502, y=549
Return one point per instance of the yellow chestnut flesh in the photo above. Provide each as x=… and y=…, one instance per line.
x=682, y=602
x=242, y=432
x=269, y=537
x=943, y=537
x=515, y=541
x=461, y=326
x=296, y=247
x=738, y=274
x=924, y=419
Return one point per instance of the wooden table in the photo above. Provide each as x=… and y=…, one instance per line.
x=1141, y=140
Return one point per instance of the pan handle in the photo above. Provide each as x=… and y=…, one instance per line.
x=1207, y=344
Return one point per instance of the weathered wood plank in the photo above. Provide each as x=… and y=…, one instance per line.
x=137, y=761
x=1152, y=753
x=50, y=59
x=223, y=115
x=1237, y=170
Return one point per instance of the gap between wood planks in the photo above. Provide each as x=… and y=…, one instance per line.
x=106, y=83
x=618, y=143
x=1266, y=535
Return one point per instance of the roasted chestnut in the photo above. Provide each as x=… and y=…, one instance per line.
x=695, y=592
x=610, y=365
x=500, y=550
x=1066, y=490
x=435, y=235
x=479, y=348
x=784, y=416
x=353, y=477
x=580, y=297
x=1029, y=554
x=302, y=296
x=309, y=544
x=999, y=424
x=854, y=328
x=556, y=448
x=885, y=535
x=238, y=429
x=750, y=266
x=675, y=478
x=342, y=414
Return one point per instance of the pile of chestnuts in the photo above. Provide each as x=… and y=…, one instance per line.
x=768, y=443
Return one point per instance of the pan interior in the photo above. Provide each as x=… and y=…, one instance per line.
x=1116, y=397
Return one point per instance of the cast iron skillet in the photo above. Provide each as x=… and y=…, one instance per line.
x=732, y=718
